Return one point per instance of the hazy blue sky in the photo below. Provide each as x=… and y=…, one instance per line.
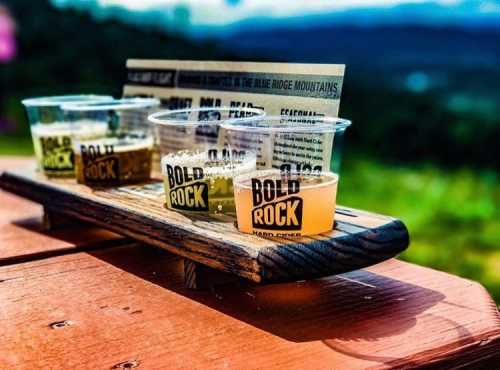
x=221, y=12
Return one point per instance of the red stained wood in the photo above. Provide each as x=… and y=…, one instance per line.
x=129, y=304
x=21, y=232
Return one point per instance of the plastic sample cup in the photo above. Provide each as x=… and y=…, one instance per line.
x=122, y=152
x=51, y=134
x=197, y=167
x=293, y=191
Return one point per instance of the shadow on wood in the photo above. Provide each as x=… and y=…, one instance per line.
x=27, y=239
x=356, y=306
x=386, y=316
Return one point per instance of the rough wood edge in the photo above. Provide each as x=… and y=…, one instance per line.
x=362, y=249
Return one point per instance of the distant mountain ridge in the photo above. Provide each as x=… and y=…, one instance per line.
x=429, y=15
x=385, y=45
x=460, y=67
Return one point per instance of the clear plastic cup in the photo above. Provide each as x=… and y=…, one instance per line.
x=197, y=167
x=51, y=134
x=112, y=140
x=292, y=193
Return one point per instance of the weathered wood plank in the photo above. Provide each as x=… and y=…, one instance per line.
x=23, y=236
x=22, y=232
x=129, y=305
x=359, y=240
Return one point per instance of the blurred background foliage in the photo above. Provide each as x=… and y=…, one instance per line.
x=424, y=145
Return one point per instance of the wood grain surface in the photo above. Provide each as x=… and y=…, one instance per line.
x=22, y=233
x=360, y=238
x=128, y=307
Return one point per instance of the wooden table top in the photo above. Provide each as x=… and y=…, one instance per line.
x=87, y=298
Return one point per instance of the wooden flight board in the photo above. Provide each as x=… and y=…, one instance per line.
x=360, y=239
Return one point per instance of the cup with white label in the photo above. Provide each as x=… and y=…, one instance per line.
x=292, y=193
x=197, y=166
x=51, y=134
x=112, y=140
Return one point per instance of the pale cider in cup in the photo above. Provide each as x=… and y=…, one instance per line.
x=52, y=135
x=197, y=166
x=123, y=153
x=270, y=204
x=113, y=161
x=293, y=191
x=202, y=181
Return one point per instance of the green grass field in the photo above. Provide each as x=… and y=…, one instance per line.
x=453, y=215
x=15, y=145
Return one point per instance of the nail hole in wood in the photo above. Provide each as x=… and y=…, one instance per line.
x=484, y=341
x=126, y=365
x=60, y=324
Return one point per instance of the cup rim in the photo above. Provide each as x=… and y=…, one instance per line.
x=238, y=179
x=110, y=105
x=59, y=100
x=327, y=125
x=158, y=117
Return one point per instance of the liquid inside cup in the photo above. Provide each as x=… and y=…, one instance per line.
x=201, y=181
x=273, y=203
x=112, y=161
x=53, y=146
x=51, y=132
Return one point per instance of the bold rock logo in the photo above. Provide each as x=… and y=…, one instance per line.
x=185, y=190
x=99, y=165
x=275, y=206
x=57, y=153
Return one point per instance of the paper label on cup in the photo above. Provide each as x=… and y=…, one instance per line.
x=99, y=164
x=202, y=181
x=185, y=188
x=57, y=154
x=301, y=90
x=276, y=206
x=112, y=160
x=53, y=148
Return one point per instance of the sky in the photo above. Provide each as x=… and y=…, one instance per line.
x=283, y=7
x=219, y=12
x=225, y=12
